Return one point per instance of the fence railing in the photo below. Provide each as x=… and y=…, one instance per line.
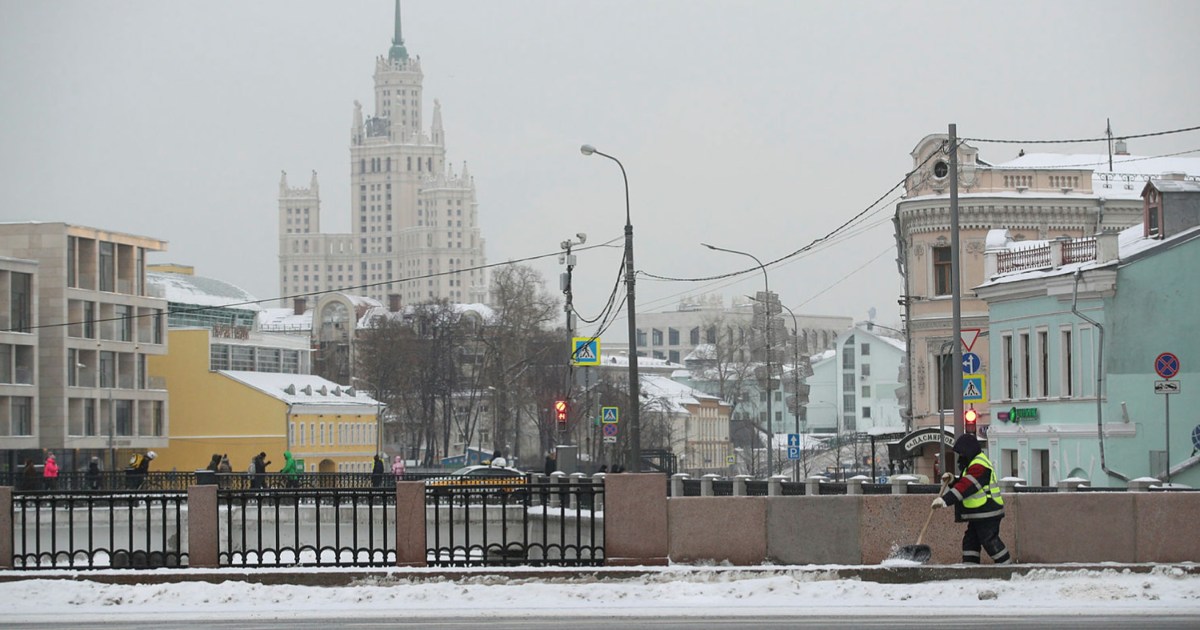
x=128, y=480
x=557, y=523
x=307, y=527
x=98, y=529
x=1029, y=258
x=1078, y=250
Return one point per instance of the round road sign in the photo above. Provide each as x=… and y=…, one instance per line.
x=1167, y=365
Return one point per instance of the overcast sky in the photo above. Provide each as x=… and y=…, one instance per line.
x=756, y=126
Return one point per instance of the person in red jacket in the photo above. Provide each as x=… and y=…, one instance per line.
x=50, y=472
x=976, y=498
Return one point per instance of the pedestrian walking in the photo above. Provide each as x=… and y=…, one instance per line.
x=290, y=476
x=398, y=467
x=224, y=472
x=93, y=474
x=551, y=464
x=50, y=472
x=377, y=472
x=139, y=467
x=215, y=464
x=258, y=471
x=29, y=475
x=498, y=460
x=976, y=498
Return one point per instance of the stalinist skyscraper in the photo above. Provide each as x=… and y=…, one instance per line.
x=412, y=216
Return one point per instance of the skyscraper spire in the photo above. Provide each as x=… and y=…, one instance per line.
x=398, y=52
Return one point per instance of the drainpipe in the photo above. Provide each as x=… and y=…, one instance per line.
x=1099, y=375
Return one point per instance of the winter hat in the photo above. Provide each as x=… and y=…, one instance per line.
x=967, y=446
x=151, y=454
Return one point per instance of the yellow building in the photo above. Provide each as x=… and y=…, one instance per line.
x=262, y=406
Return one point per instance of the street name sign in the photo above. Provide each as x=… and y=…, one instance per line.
x=1167, y=387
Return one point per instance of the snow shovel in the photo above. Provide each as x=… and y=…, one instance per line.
x=919, y=553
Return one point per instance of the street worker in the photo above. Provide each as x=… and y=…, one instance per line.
x=976, y=498
x=139, y=466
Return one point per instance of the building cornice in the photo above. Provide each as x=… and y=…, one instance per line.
x=932, y=214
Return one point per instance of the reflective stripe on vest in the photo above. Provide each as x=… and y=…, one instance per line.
x=990, y=490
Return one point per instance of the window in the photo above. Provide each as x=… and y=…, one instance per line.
x=641, y=338
x=866, y=392
x=866, y=412
x=72, y=245
x=866, y=349
x=124, y=410
x=89, y=417
x=672, y=337
x=1067, y=389
x=1025, y=360
x=866, y=369
x=946, y=380
x=1043, y=350
x=108, y=369
x=1006, y=366
x=941, y=271
x=20, y=310
x=710, y=335
x=124, y=314
x=72, y=366
x=848, y=382
x=848, y=403
x=656, y=337
x=301, y=432
x=22, y=415
x=89, y=320
x=848, y=358
x=160, y=424
x=218, y=357
x=107, y=266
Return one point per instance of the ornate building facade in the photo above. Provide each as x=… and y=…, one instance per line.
x=1037, y=197
x=414, y=220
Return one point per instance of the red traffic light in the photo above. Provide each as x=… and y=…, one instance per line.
x=560, y=411
x=970, y=416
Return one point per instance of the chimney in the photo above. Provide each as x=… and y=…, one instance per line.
x=1175, y=176
x=1106, y=247
x=394, y=302
x=298, y=306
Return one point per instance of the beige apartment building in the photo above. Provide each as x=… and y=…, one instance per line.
x=1037, y=197
x=414, y=220
x=79, y=329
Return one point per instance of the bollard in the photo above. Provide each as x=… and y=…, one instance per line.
x=598, y=494
x=854, y=484
x=812, y=485
x=706, y=484
x=739, y=485
x=556, y=480
x=900, y=483
x=677, y=484
x=576, y=483
x=1142, y=484
x=1008, y=484
x=1071, y=484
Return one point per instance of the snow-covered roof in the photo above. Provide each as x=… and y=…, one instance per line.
x=301, y=389
x=823, y=356
x=182, y=288
x=1130, y=241
x=1101, y=174
x=1174, y=185
x=673, y=393
x=619, y=360
x=284, y=319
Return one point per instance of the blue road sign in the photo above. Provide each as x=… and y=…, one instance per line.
x=971, y=363
x=610, y=430
x=609, y=415
x=974, y=390
x=793, y=439
x=793, y=452
x=1167, y=365
x=1196, y=436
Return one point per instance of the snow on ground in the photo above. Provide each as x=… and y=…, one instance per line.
x=674, y=591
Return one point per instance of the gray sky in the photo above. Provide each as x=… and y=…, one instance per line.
x=749, y=125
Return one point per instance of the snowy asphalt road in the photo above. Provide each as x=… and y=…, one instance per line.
x=1017, y=622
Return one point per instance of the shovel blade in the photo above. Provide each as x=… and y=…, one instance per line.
x=913, y=553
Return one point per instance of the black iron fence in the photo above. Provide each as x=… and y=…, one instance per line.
x=557, y=523
x=307, y=527
x=98, y=529
x=175, y=480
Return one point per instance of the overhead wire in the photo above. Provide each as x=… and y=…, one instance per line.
x=1084, y=140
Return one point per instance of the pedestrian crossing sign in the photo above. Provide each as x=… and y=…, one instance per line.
x=730, y=459
x=585, y=351
x=974, y=389
x=609, y=415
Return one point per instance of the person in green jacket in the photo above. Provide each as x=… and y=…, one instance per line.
x=289, y=469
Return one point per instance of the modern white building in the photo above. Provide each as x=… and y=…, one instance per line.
x=673, y=335
x=414, y=219
x=853, y=386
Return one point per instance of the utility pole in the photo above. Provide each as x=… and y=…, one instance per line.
x=955, y=287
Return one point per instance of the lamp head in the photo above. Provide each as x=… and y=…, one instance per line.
x=582, y=237
x=587, y=149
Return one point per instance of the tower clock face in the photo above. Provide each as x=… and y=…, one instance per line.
x=940, y=169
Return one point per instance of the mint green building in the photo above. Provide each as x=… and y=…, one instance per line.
x=1075, y=328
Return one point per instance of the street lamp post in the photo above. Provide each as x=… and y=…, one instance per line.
x=767, y=289
x=635, y=464
x=795, y=381
x=378, y=414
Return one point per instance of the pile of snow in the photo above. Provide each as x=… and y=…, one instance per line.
x=669, y=591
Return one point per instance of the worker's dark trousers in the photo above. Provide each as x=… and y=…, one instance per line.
x=984, y=534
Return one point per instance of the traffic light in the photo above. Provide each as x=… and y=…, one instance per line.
x=969, y=418
x=560, y=413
